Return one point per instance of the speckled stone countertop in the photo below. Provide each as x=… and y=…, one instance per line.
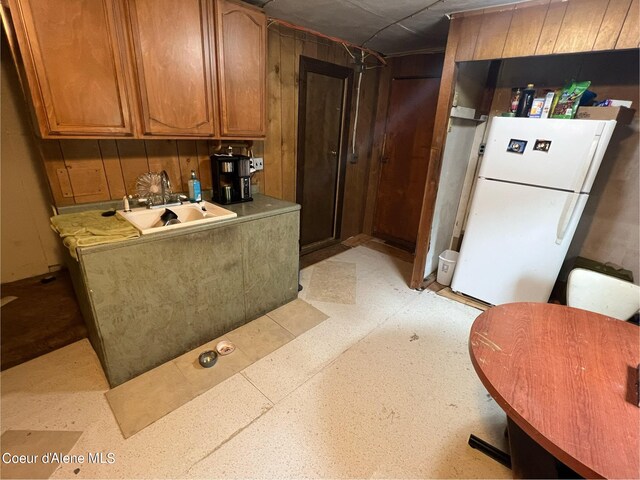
x=262, y=206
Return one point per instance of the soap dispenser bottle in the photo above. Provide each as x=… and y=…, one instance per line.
x=195, y=193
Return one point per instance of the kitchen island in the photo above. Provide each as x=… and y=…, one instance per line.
x=150, y=299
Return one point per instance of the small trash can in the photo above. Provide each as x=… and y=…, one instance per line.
x=446, y=266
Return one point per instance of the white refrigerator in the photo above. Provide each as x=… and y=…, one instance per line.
x=532, y=187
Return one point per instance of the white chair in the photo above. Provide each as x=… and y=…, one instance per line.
x=603, y=294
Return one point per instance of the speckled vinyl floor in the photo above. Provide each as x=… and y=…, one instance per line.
x=383, y=388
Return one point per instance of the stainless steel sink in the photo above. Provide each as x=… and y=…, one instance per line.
x=148, y=220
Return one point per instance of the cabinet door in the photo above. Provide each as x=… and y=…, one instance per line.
x=172, y=49
x=74, y=66
x=241, y=33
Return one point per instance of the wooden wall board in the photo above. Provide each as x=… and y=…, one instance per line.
x=273, y=141
x=445, y=97
x=525, y=30
x=299, y=44
x=417, y=65
x=353, y=203
x=377, y=151
x=310, y=46
x=81, y=171
x=580, y=25
x=187, y=160
x=551, y=27
x=133, y=160
x=56, y=171
x=492, y=35
x=612, y=24
x=323, y=50
x=163, y=155
x=469, y=31
x=356, y=197
x=112, y=168
x=343, y=57
x=83, y=161
x=358, y=169
x=630, y=33
x=289, y=113
x=448, y=79
x=204, y=164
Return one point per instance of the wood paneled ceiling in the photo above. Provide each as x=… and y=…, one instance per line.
x=387, y=26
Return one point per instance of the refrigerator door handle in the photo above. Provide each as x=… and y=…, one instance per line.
x=590, y=167
x=567, y=217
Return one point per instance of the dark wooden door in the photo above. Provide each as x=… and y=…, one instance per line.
x=405, y=158
x=324, y=108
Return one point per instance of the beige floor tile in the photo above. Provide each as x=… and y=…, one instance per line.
x=260, y=337
x=334, y=282
x=293, y=364
x=202, y=379
x=391, y=406
x=298, y=316
x=141, y=401
x=58, y=371
x=37, y=447
x=168, y=447
x=56, y=391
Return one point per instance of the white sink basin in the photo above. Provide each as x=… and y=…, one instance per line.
x=147, y=220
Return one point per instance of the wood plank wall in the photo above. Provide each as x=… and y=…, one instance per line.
x=285, y=46
x=538, y=27
x=544, y=27
x=82, y=171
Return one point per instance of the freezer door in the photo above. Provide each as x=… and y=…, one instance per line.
x=516, y=239
x=553, y=153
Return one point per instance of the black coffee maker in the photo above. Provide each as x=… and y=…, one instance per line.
x=231, y=178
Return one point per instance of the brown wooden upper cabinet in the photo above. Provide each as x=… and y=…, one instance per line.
x=242, y=39
x=174, y=66
x=143, y=68
x=74, y=66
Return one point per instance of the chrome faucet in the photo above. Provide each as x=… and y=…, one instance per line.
x=165, y=185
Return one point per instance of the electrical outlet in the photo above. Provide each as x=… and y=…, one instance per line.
x=258, y=163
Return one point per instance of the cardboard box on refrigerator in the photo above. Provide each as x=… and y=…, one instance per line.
x=622, y=115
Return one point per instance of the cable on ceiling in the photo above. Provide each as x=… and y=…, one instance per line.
x=401, y=20
x=349, y=51
x=333, y=39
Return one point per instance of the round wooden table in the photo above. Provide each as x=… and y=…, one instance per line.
x=567, y=378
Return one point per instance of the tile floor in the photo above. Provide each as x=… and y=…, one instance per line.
x=383, y=388
x=146, y=398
